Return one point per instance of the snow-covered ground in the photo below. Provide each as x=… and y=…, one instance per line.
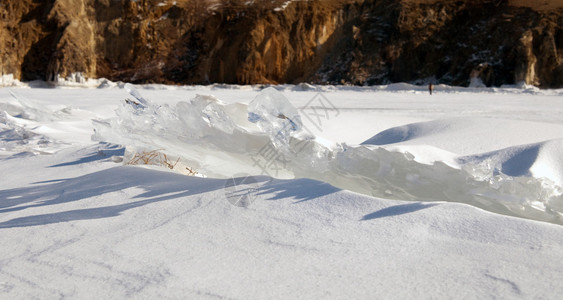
x=83, y=216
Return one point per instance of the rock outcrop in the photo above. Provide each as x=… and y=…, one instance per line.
x=492, y=42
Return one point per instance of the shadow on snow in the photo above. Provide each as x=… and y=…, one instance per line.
x=109, y=151
x=397, y=210
x=301, y=190
x=157, y=185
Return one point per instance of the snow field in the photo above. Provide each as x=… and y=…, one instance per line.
x=76, y=222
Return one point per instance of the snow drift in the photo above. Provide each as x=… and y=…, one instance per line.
x=76, y=222
x=267, y=137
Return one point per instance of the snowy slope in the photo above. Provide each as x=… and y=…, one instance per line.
x=95, y=229
x=76, y=222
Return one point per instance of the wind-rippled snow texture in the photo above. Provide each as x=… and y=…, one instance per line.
x=267, y=138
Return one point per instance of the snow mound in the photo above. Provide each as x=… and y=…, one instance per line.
x=9, y=80
x=540, y=160
x=15, y=138
x=83, y=229
x=445, y=134
x=28, y=127
x=215, y=141
x=29, y=110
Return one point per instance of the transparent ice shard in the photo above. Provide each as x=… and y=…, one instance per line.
x=213, y=139
x=276, y=117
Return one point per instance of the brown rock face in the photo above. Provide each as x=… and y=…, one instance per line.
x=243, y=41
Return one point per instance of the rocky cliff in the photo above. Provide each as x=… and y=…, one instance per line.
x=490, y=42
